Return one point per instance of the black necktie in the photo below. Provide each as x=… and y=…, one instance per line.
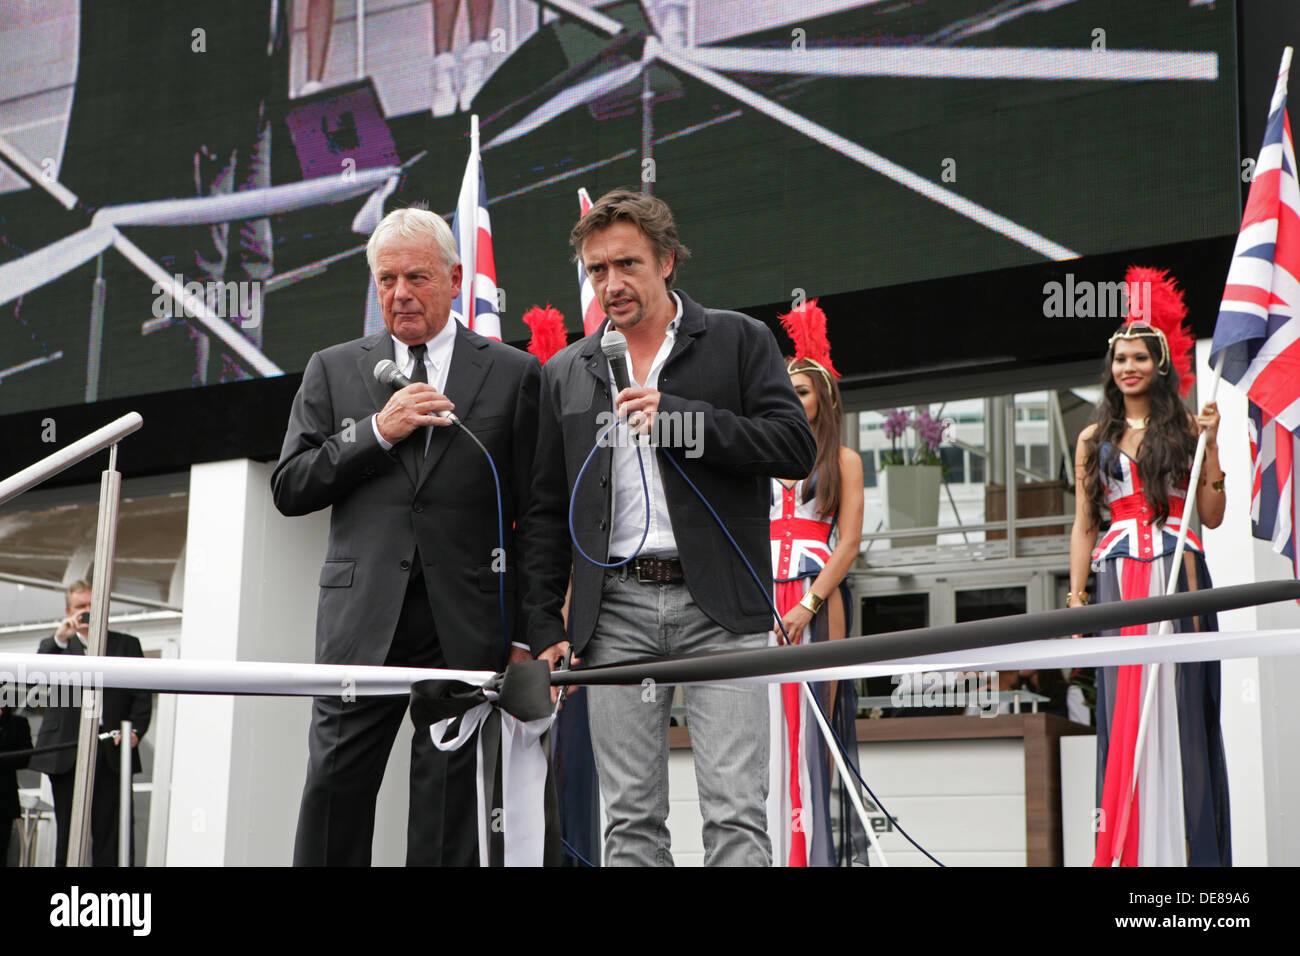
x=418, y=439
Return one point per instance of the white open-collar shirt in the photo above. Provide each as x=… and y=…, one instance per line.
x=628, y=505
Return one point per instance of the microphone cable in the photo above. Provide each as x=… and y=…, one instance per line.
x=573, y=497
x=786, y=638
x=753, y=574
x=501, y=531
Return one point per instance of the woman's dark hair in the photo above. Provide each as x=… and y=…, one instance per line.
x=828, y=429
x=1167, y=447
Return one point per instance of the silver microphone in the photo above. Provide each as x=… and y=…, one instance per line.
x=387, y=373
x=614, y=344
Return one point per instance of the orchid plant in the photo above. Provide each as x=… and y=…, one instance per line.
x=929, y=434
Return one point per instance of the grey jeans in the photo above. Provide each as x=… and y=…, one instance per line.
x=629, y=732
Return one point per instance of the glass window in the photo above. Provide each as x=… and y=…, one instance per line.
x=892, y=612
x=954, y=463
x=976, y=468
x=1038, y=461
x=977, y=605
x=868, y=468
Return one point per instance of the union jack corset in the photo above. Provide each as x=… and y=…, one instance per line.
x=801, y=538
x=1132, y=533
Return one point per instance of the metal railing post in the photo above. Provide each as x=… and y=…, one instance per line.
x=124, y=834
x=92, y=703
x=1009, y=455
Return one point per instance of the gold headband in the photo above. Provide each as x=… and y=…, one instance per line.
x=814, y=365
x=1136, y=331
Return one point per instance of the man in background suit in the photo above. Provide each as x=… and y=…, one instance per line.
x=15, y=735
x=59, y=725
x=414, y=561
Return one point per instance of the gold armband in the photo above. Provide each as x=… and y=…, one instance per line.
x=812, y=602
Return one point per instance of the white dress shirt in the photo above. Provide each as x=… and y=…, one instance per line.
x=437, y=362
x=628, y=507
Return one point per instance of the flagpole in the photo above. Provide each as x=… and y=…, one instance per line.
x=469, y=270
x=850, y=785
x=1166, y=627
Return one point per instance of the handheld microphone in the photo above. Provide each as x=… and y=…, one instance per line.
x=387, y=373
x=614, y=344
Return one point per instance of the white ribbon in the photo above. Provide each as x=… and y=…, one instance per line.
x=523, y=781
x=223, y=677
x=332, y=680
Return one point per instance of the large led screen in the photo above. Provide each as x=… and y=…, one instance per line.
x=241, y=150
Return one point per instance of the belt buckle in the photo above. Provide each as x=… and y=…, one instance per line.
x=642, y=566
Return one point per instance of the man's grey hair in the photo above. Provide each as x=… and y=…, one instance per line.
x=414, y=223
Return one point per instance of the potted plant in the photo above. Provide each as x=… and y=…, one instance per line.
x=910, y=477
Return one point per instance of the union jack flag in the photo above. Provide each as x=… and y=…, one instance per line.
x=477, y=301
x=592, y=313
x=1257, y=335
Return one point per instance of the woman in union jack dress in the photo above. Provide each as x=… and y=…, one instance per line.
x=1135, y=459
x=816, y=527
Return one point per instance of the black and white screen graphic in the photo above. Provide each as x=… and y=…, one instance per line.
x=240, y=151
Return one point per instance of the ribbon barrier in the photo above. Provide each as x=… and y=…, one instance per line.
x=516, y=792
x=511, y=712
x=914, y=645
x=238, y=678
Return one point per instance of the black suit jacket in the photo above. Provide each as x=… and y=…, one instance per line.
x=382, y=512
x=724, y=367
x=15, y=734
x=59, y=724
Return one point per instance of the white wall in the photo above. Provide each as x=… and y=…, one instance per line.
x=250, y=594
x=963, y=800
x=1259, y=703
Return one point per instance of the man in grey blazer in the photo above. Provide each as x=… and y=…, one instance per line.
x=716, y=380
x=414, y=564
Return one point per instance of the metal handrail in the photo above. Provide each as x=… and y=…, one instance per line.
x=110, y=494
x=116, y=597
x=64, y=458
x=1038, y=522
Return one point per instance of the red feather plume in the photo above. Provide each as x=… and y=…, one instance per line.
x=549, y=334
x=1167, y=310
x=806, y=327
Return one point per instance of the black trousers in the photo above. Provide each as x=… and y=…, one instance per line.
x=103, y=812
x=348, y=747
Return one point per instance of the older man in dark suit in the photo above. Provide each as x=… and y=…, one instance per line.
x=711, y=386
x=414, y=566
x=59, y=726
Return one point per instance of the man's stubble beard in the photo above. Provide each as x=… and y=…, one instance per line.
x=631, y=322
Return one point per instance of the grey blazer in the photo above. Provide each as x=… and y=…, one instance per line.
x=382, y=511
x=725, y=369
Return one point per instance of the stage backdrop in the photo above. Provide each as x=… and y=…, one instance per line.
x=812, y=148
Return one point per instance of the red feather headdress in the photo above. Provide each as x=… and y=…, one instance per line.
x=549, y=334
x=806, y=327
x=1155, y=304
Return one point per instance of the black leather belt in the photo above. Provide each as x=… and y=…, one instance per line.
x=657, y=570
